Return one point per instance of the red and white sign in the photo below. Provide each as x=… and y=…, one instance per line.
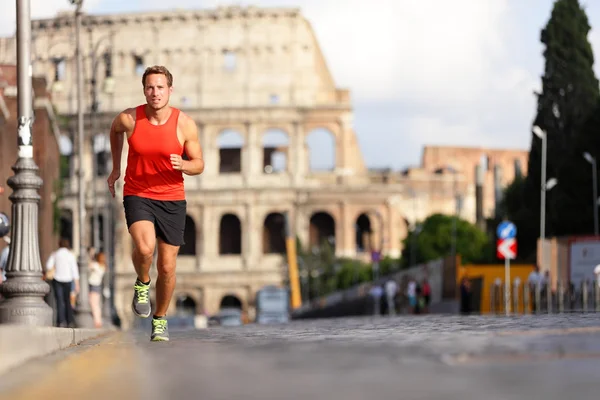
x=507, y=248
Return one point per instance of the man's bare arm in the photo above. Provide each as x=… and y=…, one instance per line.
x=117, y=134
x=193, y=149
x=120, y=126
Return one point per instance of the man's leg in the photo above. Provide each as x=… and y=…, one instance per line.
x=165, y=283
x=144, y=239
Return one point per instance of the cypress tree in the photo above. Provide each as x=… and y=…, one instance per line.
x=568, y=98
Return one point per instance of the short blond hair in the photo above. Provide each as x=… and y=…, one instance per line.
x=158, y=70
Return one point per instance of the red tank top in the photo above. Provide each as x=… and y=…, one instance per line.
x=149, y=172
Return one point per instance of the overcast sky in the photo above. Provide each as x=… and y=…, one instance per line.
x=421, y=72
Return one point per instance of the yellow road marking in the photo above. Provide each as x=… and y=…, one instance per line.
x=103, y=371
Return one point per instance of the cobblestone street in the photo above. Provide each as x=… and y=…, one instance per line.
x=428, y=357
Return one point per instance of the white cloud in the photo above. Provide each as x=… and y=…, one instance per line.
x=39, y=9
x=447, y=72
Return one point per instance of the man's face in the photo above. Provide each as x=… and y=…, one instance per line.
x=157, y=91
x=1, y=189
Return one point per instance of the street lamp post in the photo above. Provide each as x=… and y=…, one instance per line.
x=83, y=312
x=545, y=186
x=24, y=288
x=93, y=126
x=592, y=161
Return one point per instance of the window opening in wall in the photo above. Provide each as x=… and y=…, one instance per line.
x=275, y=151
x=59, y=69
x=229, y=60
x=274, y=99
x=139, y=65
x=230, y=151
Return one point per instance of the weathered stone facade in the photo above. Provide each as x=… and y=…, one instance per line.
x=259, y=73
x=46, y=156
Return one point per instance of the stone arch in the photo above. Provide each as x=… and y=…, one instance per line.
x=273, y=234
x=230, y=235
x=231, y=301
x=322, y=228
x=189, y=237
x=186, y=305
x=364, y=233
x=230, y=144
x=321, y=143
x=275, y=143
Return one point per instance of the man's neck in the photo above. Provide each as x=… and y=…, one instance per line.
x=159, y=116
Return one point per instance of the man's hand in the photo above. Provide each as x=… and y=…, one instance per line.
x=177, y=162
x=112, y=178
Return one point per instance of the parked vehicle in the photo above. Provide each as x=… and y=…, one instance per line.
x=272, y=305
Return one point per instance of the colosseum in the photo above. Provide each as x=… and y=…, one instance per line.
x=258, y=85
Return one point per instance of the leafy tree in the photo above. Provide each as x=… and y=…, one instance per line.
x=435, y=241
x=569, y=95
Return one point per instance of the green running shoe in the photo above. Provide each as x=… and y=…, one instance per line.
x=141, y=303
x=160, y=330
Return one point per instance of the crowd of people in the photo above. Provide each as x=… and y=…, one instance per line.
x=410, y=297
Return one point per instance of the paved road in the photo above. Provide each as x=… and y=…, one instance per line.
x=542, y=357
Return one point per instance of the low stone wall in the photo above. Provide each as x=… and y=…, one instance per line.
x=356, y=300
x=19, y=344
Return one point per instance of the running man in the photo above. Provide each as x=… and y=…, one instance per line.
x=153, y=195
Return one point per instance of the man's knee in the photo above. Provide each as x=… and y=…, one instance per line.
x=144, y=250
x=166, y=268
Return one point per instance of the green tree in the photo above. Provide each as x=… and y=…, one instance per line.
x=569, y=95
x=573, y=205
x=434, y=240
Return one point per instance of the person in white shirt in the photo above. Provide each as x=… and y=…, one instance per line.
x=66, y=272
x=391, y=289
x=97, y=269
x=411, y=294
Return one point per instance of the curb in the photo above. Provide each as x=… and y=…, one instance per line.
x=19, y=344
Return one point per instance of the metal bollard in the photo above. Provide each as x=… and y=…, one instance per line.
x=584, y=295
x=549, y=298
x=561, y=298
x=597, y=296
x=493, y=298
x=538, y=298
x=516, y=297
x=526, y=294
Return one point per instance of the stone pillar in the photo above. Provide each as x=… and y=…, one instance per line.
x=251, y=154
x=210, y=233
x=347, y=246
x=251, y=237
x=210, y=147
x=196, y=214
x=297, y=154
x=302, y=221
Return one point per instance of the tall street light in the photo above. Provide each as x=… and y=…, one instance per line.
x=457, y=210
x=592, y=161
x=24, y=288
x=545, y=186
x=107, y=88
x=83, y=312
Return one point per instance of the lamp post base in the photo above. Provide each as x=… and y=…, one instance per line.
x=24, y=303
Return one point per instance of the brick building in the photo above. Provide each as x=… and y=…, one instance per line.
x=46, y=153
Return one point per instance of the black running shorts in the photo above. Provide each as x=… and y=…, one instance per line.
x=168, y=216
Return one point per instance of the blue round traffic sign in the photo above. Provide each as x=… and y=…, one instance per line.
x=506, y=230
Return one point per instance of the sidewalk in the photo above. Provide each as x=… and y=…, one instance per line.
x=20, y=344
